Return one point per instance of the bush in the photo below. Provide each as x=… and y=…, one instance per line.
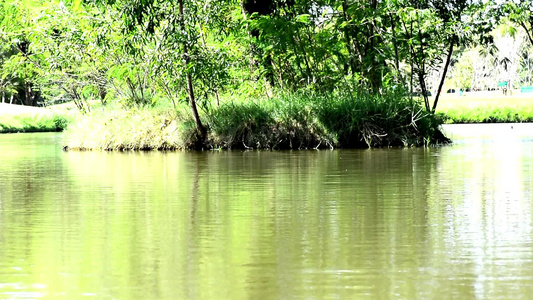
x=307, y=120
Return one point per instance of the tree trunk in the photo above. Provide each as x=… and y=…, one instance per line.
x=411, y=53
x=395, y=44
x=375, y=76
x=529, y=34
x=408, y=31
x=423, y=88
x=446, y=65
x=28, y=94
x=351, y=51
x=422, y=67
x=309, y=72
x=200, y=129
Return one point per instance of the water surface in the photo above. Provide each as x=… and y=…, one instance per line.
x=438, y=223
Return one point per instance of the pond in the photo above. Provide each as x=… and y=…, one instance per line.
x=452, y=222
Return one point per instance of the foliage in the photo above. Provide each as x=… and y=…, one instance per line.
x=521, y=13
x=19, y=61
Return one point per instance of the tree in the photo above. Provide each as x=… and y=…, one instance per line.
x=16, y=28
x=74, y=53
x=521, y=13
x=174, y=31
x=202, y=132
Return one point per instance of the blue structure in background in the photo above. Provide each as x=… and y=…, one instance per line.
x=526, y=89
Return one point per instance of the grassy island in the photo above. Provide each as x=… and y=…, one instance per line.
x=284, y=122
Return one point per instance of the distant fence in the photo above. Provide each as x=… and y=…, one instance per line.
x=526, y=89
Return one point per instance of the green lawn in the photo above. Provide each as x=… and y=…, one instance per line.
x=486, y=107
x=18, y=118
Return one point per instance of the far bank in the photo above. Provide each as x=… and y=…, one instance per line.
x=486, y=107
x=18, y=118
x=284, y=122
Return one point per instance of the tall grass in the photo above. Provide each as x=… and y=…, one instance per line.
x=288, y=121
x=310, y=121
x=131, y=129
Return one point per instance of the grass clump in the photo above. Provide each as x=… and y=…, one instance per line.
x=33, y=122
x=302, y=121
x=131, y=129
x=280, y=123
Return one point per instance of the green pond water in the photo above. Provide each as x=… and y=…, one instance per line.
x=438, y=223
